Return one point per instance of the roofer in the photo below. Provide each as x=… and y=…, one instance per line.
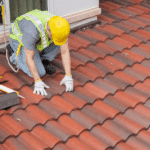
x=40, y=35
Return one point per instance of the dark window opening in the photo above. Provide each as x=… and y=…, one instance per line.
x=1, y=21
x=20, y=7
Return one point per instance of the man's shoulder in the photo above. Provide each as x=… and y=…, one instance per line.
x=27, y=23
x=28, y=26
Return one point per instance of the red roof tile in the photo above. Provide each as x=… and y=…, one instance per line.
x=113, y=30
x=137, y=22
x=116, y=6
x=120, y=14
x=146, y=10
x=135, y=10
x=136, y=1
x=130, y=25
x=107, y=7
x=109, y=107
x=146, y=16
x=107, y=19
x=131, y=39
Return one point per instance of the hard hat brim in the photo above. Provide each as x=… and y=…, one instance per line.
x=59, y=43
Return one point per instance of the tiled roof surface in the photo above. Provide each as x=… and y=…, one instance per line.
x=109, y=108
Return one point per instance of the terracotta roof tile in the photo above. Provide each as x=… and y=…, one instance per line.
x=145, y=47
x=88, y=53
x=61, y=146
x=95, y=37
x=112, y=140
x=113, y=30
x=147, y=106
x=136, y=143
x=122, y=3
x=79, y=40
x=129, y=2
x=144, y=20
x=130, y=25
x=104, y=11
x=147, y=43
x=135, y=10
x=130, y=39
x=45, y=135
x=146, y=10
x=128, y=57
x=109, y=106
x=114, y=62
x=128, y=12
x=116, y=6
x=107, y=7
x=123, y=42
x=146, y=16
x=139, y=36
x=90, y=36
x=94, y=142
x=121, y=27
x=104, y=31
x=107, y=19
x=120, y=14
x=117, y=128
x=74, y=45
x=134, y=73
x=14, y=143
x=141, y=52
x=121, y=101
x=116, y=81
x=122, y=146
x=103, y=23
x=115, y=45
x=99, y=51
x=136, y=1
x=77, y=144
x=137, y=22
x=144, y=4
x=146, y=63
x=112, y=16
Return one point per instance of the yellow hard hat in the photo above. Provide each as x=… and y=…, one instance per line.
x=60, y=30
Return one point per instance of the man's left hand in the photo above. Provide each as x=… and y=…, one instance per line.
x=68, y=82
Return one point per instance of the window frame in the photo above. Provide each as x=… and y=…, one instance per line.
x=7, y=16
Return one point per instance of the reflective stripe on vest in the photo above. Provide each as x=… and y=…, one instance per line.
x=15, y=29
x=17, y=32
x=40, y=11
x=40, y=25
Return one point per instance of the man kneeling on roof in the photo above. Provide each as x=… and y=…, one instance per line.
x=41, y=35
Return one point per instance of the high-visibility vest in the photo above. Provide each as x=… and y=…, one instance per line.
x=39, y=18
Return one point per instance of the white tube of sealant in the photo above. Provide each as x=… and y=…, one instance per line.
x=8, y=90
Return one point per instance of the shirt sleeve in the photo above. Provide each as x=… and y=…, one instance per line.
x=30, y=35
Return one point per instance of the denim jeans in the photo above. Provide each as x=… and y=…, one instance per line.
x=48, y=53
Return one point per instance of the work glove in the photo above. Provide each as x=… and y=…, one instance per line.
x=39, y=88
x=68, y=82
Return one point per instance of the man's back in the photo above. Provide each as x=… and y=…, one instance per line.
x=30, y=33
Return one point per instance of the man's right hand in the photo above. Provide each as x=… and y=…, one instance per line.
x=39, y=88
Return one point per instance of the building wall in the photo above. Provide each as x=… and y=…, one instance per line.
x=76, y=12
x=65, y=7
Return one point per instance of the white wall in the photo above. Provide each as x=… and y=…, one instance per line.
x=65, y=7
